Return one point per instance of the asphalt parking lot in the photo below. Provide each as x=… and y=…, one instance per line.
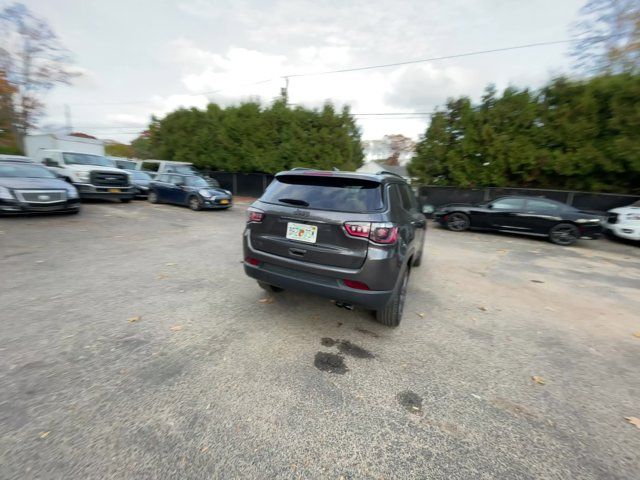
x=133, y=346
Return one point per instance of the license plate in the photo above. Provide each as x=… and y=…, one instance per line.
x=224, y=202
x=302, y=232
x=114, y=190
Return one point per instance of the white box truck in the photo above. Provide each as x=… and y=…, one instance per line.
x=81, y=161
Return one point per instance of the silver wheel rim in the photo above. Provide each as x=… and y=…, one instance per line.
x=457, y=222
x=564, y=234
x=152, y=197
x=195, y=204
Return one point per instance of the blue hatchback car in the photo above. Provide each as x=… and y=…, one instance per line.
x=190, y=190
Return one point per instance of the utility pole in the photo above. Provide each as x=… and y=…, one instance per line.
x=284, y=91
x=67, y=119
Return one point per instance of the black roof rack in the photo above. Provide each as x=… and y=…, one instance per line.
x=387, y=172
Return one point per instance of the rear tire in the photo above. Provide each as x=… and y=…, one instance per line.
x=458, y=222
x=391, y=314
x=194, y=203
x=125, y=200
x=564, y=234
x=152, y=197
x=269, y=288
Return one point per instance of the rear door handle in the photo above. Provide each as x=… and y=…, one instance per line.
x=297, y=252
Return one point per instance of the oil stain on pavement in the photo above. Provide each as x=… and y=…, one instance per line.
x=411, y=401
x=330, y=362
x=347, y=348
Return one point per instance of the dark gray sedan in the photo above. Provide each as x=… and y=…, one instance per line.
x=27, y=187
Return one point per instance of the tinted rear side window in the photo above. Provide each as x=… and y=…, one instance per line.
x=325, y=193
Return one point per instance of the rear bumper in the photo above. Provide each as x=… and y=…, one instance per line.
x=328, y=287
x=590, y=231
x=325, y=281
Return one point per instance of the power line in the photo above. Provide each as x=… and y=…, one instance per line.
x=369, y=67
x=445, y=57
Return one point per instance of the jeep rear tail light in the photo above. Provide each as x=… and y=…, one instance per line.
x=384, y=233
x=358, y=229
x=254, y=215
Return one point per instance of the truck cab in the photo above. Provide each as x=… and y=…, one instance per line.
x=94, y=176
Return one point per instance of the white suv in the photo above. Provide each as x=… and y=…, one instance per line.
x=624, y=222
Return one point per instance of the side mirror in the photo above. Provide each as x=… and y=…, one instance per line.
x=51, y=163
x=180, y=184
x=428, y=209
x=490, y=206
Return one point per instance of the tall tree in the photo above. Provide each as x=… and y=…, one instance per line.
x=399, y=146
x=608, y=37
x=34, y=60
x=251, y=137
x=7, y=138
x=580, y=135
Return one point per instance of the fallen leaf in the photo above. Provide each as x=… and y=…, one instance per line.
x=46, y=434
x=537, y=281
x=162, y=276
x=637, y=334
x=170, y=264
x=538, y=379
x=266, y=300
x=484, y=309
x=293, y=466
x=632, y=420
x=176, y=328
x=421, y=315
x=502, y=250
x=137, y=318
x=204, y=449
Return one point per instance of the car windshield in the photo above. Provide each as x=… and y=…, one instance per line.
x=181, y=169
x=325, y=193
x=196, y=182
x=87, y=159
x=126, y=164
x=25, y=171
x=137, y=175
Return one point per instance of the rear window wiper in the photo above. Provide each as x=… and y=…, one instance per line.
x=294, y=201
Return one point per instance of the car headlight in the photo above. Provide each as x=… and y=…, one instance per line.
x=204, y=193
x=83, y=176
x=632, y=216
x=72, y=193
x=5, y=193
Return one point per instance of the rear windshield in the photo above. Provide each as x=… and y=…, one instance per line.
x=325, y=193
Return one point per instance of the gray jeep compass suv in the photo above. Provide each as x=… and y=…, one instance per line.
x=347, y=236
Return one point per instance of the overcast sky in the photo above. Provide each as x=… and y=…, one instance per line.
x=151, y=56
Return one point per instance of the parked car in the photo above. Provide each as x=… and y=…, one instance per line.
x=29, y=187
x=190, y=190
x=351, y=237
x=624, y=222
x=140, y=181
x=93, y=175
x=15, y=158
x=561, y=223
x=159, y=167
